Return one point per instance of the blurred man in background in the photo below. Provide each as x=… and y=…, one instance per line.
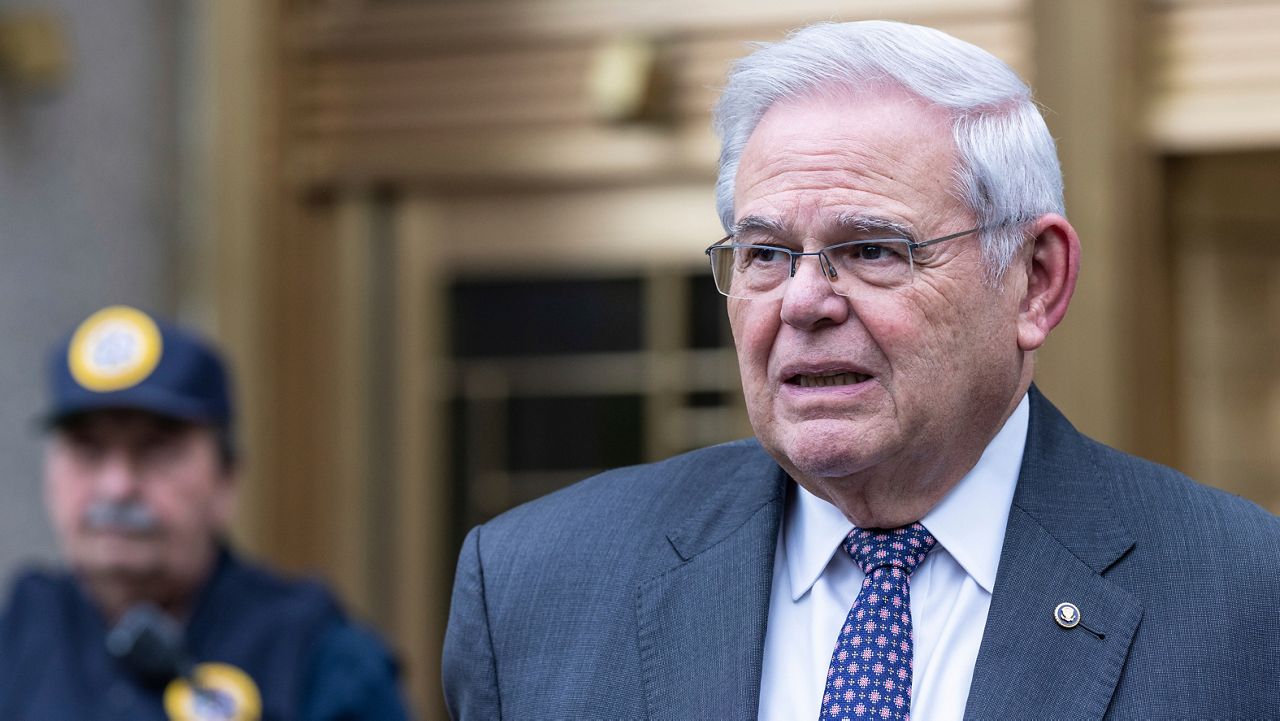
x=157, y=617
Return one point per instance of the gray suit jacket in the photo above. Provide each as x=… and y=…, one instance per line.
x=644, y=593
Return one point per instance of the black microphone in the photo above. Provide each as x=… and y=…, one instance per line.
x=149, y=643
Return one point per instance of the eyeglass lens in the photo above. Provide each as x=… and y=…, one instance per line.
x=760, y=271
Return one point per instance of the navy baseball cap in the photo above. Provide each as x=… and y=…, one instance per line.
x=122, y=358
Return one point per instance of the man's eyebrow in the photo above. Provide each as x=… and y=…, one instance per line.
x=869, y=225
x=845, y=224
x=759, y=224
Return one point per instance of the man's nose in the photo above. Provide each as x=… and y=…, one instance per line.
x=808, y=299
x=117, y=476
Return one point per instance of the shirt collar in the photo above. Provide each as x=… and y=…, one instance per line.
x=969, y=521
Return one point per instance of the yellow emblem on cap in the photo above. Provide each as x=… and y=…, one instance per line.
x=222, y=692
x=114, y=349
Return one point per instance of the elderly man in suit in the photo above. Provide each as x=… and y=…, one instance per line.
x=915, y=529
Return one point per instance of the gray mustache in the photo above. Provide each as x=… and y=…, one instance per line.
x=126, y=516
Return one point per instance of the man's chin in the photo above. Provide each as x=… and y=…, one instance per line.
x=116, y=559
x=829, y=448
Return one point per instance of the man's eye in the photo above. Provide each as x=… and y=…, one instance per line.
x=763, y=255
x=161, y=449
x=871, y=251
x=86, y=451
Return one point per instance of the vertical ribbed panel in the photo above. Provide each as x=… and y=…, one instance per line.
x=1215, y=74
x=499, y=89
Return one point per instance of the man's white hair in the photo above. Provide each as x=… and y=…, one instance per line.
x=1008, y=170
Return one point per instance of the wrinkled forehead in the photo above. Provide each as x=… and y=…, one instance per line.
x=883, y=155
x=884, y=121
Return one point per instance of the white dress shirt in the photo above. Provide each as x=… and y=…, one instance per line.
x=814, y=587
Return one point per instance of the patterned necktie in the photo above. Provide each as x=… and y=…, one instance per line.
x=870, y=672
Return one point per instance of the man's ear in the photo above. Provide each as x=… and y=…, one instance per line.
x=1052, y=265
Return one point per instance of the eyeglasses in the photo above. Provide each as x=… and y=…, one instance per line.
x=760, y=272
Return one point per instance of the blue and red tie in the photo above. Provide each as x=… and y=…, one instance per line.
x=870, y=672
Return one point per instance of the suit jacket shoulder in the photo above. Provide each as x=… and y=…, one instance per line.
x=1162, y=503
x=1206, y=566
x=1176, y=585
x=622, y=507
x=562, y=607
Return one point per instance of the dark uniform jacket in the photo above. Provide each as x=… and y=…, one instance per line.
x=306, y=659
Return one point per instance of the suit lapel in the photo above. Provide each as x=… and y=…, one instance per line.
x=1062, y=536
x=702, y=621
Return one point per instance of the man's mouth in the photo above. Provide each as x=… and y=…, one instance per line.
x=827, y=380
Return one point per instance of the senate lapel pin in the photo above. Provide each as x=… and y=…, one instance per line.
x=1067, y=615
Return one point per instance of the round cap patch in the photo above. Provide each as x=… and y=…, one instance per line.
x=114, y=349
x=222, y=693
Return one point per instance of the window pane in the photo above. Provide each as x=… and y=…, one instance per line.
x=495, y=318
